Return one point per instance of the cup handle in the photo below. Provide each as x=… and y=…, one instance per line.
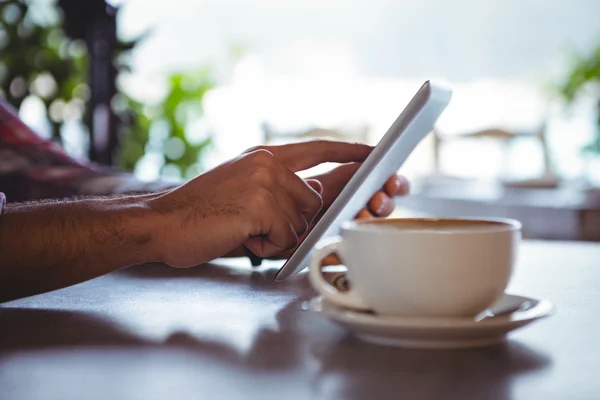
x=345, y=299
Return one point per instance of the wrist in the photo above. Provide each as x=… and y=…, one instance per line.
x=140, y=227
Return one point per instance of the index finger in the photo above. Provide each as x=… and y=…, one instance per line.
x=300, y=156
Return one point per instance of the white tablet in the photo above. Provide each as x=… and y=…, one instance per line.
x=413, y=124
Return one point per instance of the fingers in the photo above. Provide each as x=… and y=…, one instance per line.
x=300, y=201
x=364, y=214
x=290, y=208
x=315, y=184
x=294, y=195
x=381, y=204
x=331, y=259
x=309, y=200
x=301, y=156
x=282, y=201
x=296, y=202
x=334, y=181
x=277, y=234
x=397, y=186
x=280, y=237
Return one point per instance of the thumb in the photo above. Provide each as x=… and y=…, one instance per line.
x=315, y=184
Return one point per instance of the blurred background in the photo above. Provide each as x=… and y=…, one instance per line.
x=170, y=89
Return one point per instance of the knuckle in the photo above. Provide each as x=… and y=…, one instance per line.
x=260, y=198
x=263, y=176
x=255, y=148
x=261, y=156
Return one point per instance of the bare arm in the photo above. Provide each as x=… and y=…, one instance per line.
x=50, y=245
x=34, y=169
x=255, y=200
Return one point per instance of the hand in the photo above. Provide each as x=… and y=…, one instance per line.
x=382, y=203
x=256, y=200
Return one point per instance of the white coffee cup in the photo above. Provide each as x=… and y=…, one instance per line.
x=421, y=267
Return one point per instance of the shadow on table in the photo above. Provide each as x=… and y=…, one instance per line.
x=71, y=330
x=299, y=341
x=487, y=373
x=260, y=278
x=348, y=368
x=25, y=328
x=29, y=329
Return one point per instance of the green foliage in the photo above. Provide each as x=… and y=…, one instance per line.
x=37, y=59
x=181, y=105
x=584, y=77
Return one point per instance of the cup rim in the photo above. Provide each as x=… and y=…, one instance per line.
x=497, y=225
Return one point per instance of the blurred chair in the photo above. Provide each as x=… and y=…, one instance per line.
x=505, y=137
x=271, y=135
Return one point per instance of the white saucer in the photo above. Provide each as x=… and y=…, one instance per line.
x=436, y=333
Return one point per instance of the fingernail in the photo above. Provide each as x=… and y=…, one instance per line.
x=380, y=208
x=399, y=182
x=403, y=185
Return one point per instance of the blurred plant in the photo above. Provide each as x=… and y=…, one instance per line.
x=165, y=127
x=36, y=58
x=584, y=79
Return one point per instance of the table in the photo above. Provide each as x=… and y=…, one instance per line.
x=224, y=330
x=551, y=214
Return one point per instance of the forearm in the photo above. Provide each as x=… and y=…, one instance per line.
x=50, y=245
